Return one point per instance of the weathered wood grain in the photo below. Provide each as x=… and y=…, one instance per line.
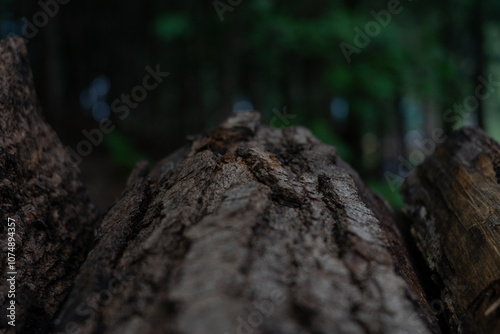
x=247, y=230
x=41, y=189
x=453, y=199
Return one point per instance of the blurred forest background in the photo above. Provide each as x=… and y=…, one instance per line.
x=416, y=74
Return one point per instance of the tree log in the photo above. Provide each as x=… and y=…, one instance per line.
x=453, y=199
x=41, y=191
x=247, y=230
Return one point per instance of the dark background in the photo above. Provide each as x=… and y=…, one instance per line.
x=278, y=57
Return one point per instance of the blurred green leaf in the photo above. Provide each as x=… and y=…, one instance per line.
x=173, y=26
x=341, y=78
x=123, y=152
x=381, y=188
x=320, y=128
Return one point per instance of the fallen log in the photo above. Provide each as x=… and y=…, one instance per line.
x=453, y=199
x=247, y=230
x=44, y=207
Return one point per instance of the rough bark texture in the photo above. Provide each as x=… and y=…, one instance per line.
x=41, y=189
x=247, y=230
x=454, y=202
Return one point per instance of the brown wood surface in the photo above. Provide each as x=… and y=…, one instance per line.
x=41, y=189
x=247, y=230
x=453, y=199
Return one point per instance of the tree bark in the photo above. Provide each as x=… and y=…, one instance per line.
x=248, y=229
x=41, y=192
x=454, y=202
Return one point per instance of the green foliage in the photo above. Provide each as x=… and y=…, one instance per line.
x=172, y=26
x=381, y=188
x=122, y=150
x=340, y=77
x=321, y=129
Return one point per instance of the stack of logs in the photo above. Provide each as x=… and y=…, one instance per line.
x=248, y=229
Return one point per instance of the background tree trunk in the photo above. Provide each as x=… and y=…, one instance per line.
x=40, y=189
x=454, y=202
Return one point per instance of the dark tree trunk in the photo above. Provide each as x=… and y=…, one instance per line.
x=454, y=202
x=41, y=191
